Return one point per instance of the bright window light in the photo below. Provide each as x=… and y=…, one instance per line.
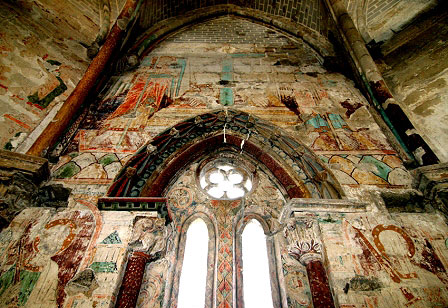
x=193, y=277
x=222, y=180
x=256, y=278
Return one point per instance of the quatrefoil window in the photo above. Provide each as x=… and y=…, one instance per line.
x=222, y=180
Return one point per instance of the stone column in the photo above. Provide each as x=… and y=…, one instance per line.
x=305, y=247
x=311, y=258
x=413, y=145
x=132, y=280
x=225, y=282
x=147, y=244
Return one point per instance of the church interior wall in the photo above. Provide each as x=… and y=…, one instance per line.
x=43, y=46
x=421, y=92
x=76, y=256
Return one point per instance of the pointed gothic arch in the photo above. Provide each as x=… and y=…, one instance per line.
x=161, y=30
x=157, y=164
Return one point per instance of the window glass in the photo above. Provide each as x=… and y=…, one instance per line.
x=193, y=277
x=223, y=180
x=256, y=278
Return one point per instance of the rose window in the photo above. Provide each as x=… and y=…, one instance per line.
x=222, y=180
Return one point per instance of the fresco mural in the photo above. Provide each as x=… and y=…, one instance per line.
x=43, y=58
x=321, y=109
x=273, y=92
x=44, y=250
x=389, y=259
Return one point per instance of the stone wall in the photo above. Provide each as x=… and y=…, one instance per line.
x=43, y=57
x=416, y=70
x=386, y=17
x=379, y=20
x=308, y=12
x=141, y=120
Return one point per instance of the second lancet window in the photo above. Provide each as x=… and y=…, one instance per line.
x=256, y=277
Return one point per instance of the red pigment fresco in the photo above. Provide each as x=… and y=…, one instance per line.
x=131, y=98
x=132, y=280
x=431, y=262
x=368, y=261
x=320, y=288
x=351, y=108
x=143, y=91
x=74, y=247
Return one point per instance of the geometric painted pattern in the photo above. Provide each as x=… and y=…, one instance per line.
x=150, y=159
x=112, y=238
x=104, y=267
x=224, y=216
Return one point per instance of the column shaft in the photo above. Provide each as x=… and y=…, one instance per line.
x=132, y=280
x=68, y=110
x=320, y=288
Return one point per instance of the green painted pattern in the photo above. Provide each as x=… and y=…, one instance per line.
x=104, y=267
x=67, y=171
x=383, y=170
x=108, y=159
x=324, y=159
x=6, y=280
x=27, y=282
x=44, y=102
x=248, y=55
x=226, y=97
x=227, y=69
x=182, y=63
x=112, y=238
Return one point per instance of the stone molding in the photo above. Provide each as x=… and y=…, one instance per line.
x=35, y=168
x=432, y=181
x=321, y=205
x=20, y=176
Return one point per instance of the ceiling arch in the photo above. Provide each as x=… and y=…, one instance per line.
x=310, y=13
x=158, y=32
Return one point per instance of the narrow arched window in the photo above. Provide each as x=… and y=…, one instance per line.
x=256, y=278
x=192, y=285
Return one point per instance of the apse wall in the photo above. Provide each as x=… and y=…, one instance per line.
x=43, y=57
x=77, y=256
x=310, y=13
x=233, y=63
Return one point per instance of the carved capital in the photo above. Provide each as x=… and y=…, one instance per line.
x=20, y=177
x=149, y=235
x=306, y=251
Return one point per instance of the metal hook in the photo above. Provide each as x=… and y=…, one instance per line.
x=244, y=141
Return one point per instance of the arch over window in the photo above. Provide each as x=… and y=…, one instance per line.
x=296, y=167
x=193, y=277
